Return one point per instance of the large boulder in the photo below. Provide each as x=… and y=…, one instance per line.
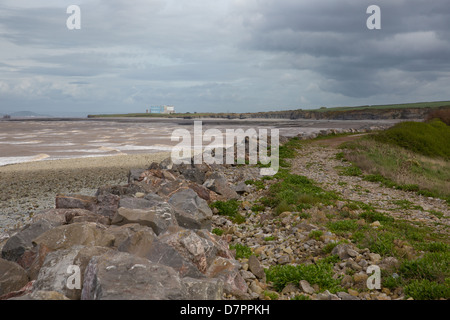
x=163, y=253
x=191, y=211
x=218, y=183
x=66, y=236
x=107, y=205
x=200, y=251
x=158, y=217
x=202, y=289
x=55, y=274
x=12, y=277
x=21, y=242
x=75, y=201
x=123, y=276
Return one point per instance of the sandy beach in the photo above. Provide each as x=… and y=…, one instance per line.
x=27, y=188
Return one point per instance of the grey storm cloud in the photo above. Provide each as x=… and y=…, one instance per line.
x=224, y=55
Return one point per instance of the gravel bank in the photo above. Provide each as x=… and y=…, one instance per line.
x=27, y=188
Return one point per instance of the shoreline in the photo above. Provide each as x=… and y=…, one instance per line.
x=29, y=187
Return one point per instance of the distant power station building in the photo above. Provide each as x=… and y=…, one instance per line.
x=162, y=109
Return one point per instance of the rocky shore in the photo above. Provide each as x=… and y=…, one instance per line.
x=27, y=188
x=156, y=231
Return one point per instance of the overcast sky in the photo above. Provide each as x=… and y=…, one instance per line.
x=221, y=55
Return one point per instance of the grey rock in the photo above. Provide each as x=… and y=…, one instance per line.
x=191, y=211
x=158, y=217
x=228, y=271
x=346, y=296
x=306, y=287
x=12, y=277
x=218, y=183
x=134, y=175
x=341, y=251
x=16, y=246
x=53, y=275
x=255, y=267
x=107, y=205
x=326, y=295
x=66, y=236
x=202, y=289
x=241, y=188
x=140, y=279
x=75, y=201
x=166, y=163
x=163, y=253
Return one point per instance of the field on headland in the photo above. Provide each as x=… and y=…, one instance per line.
x=418, y=109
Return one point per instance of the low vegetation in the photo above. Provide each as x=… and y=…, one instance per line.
x=411, y=156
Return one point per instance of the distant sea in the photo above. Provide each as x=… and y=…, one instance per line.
x=39, y=139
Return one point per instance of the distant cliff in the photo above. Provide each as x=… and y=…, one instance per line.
x=399, y=111
x=321, y=114
x=359, y=114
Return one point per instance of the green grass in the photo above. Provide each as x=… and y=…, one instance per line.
x=433, y=104
x=315, y=234
x=411, y=156
x=429, y=139
x=259, y=184
x=427, y=290
x=352, y=171
x=295, y=192
x=217, y=231
x=242, y=251
x=228, y=208
x=343, y=226
x=320, y=273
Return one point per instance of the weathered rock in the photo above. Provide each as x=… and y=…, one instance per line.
x=218, y=183
x=346, y=296
x=140, y=279
x=201, y=191
x=82, y=215
x=389, y=264
x=342, y=251
x=289, y=288
x=326, y=295
x=242, y=188
x=18, y=244
x=43, y=295
x=191, y=211
x=56, y=217
x=139, y=242
x=122, y=233
x=166, y=164
x=135, y=175
x=202, y=289
x=195, y=175
x=87, y=233
x=158, y=217
x=75, y=201
x=12, y=277
x=255, y=267
x=134, y=203
x=54, y=274
x=228, y=271
x=200, y=251
x=306, y=287
x=16, y=295
x=347, y=281
x=107, y=204
x=163, y=253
